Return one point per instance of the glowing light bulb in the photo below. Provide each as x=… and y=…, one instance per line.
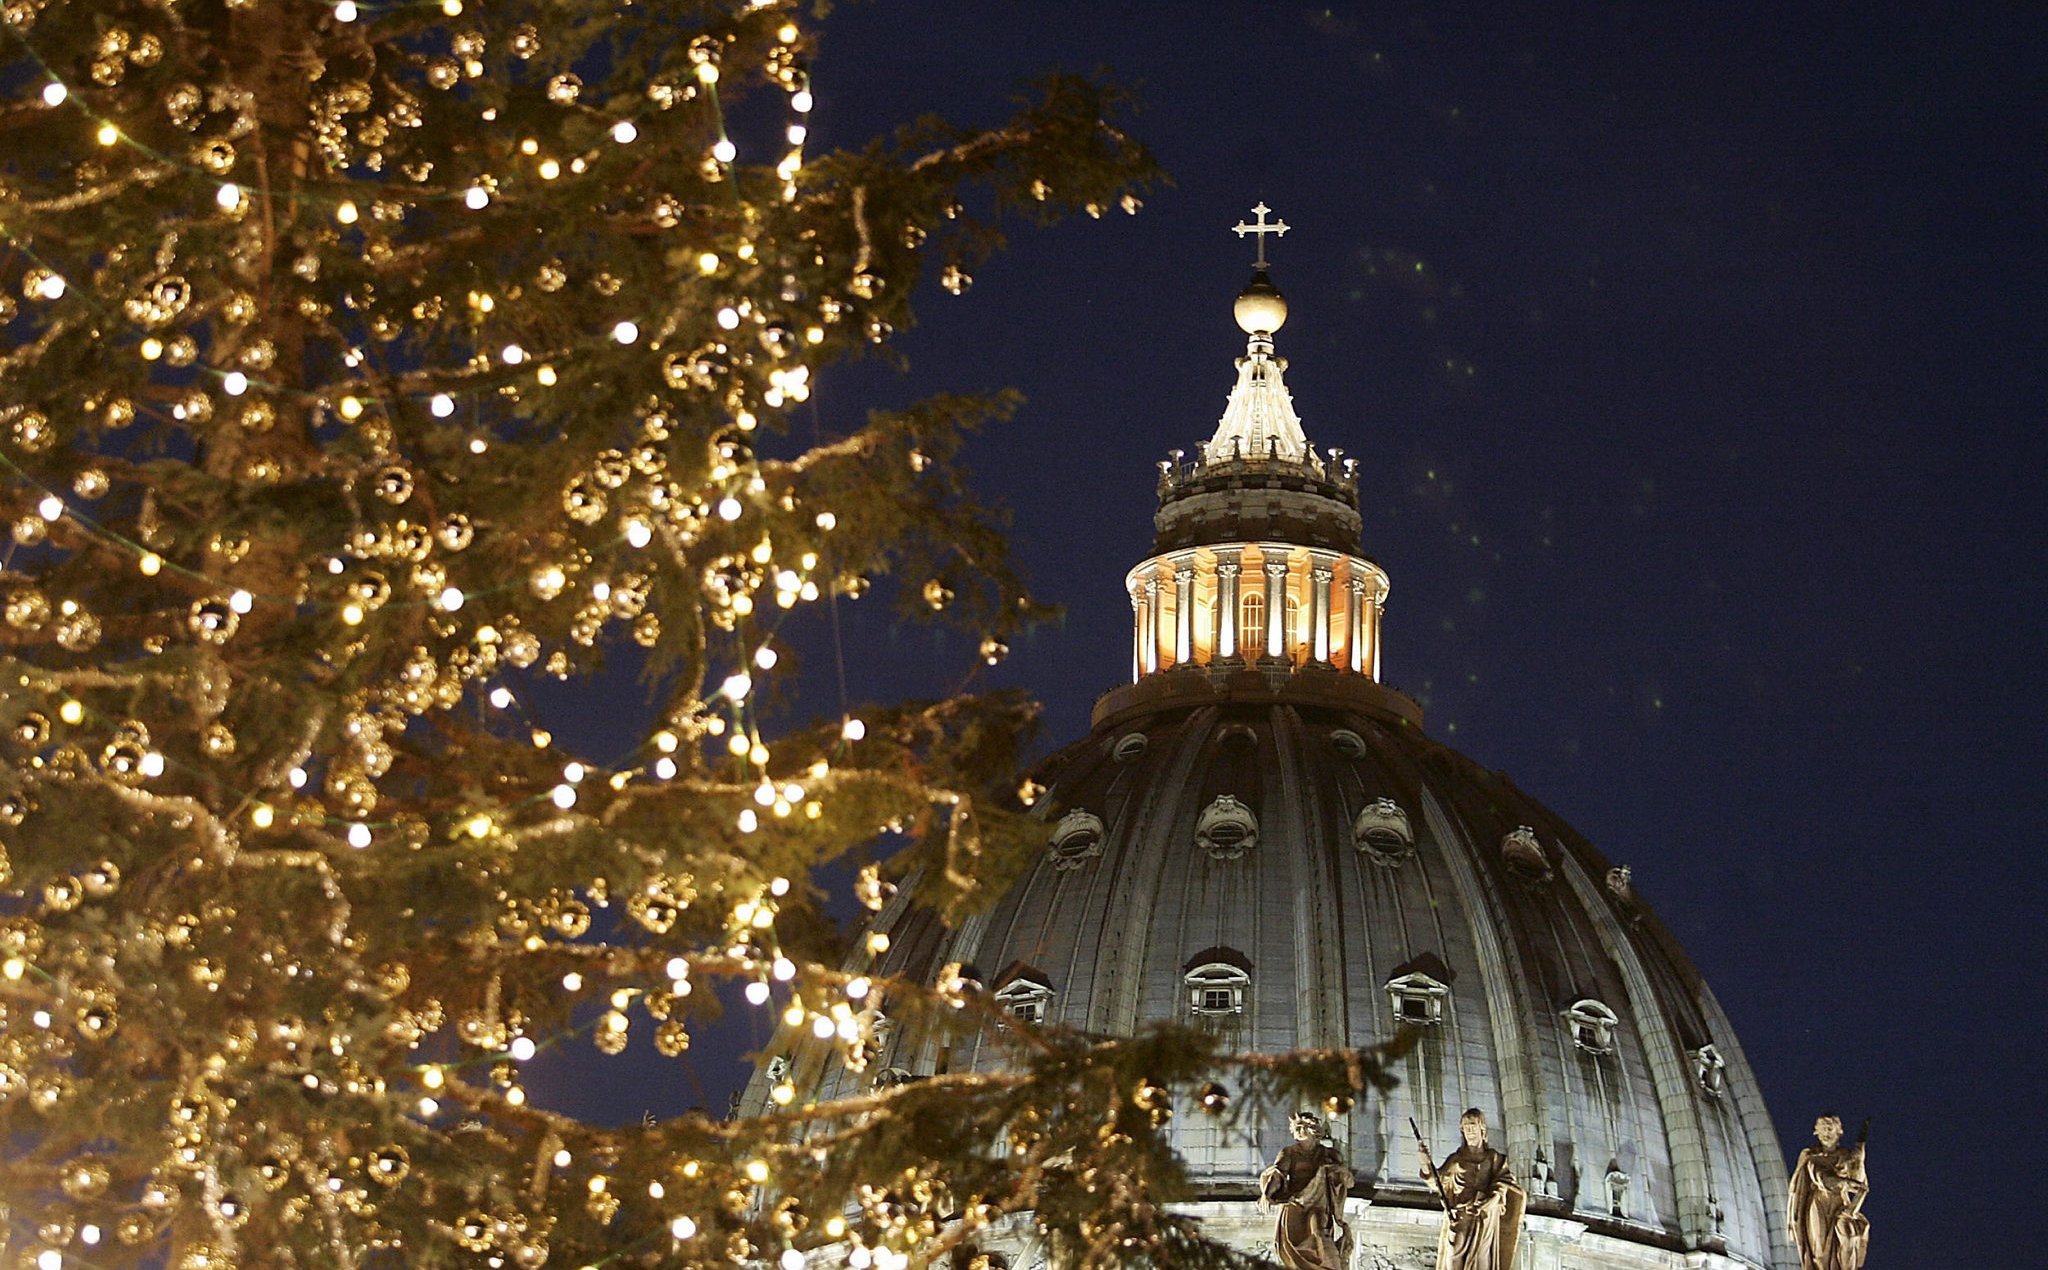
x=707, y=72
x=728, y=318
x=682, y=1228
x=345, y=11
x=523, y=1048
x=449, y=600
x=54, y=93
x=724, y=150
x=241, y=601
x=853, y=730
x=346, y=213
x=729, y=509
x=107, y=135
x=512, y=354
x=707, y=262
x=549, y=169
x=151, y=564
x=737, y=686
x=801, y=101
x=563, y=796
x=626, y=332
x=638, y=533
x=476, y=198
x=234, y=383
x=757, y=993
x=51, y=507
x=262, y=816
x=359, y=836
x=442, y=405
x=501, y=697
x=764, y=657
x=624, y=132
x=229, y=196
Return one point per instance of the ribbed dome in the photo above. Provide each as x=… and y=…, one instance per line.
x=1258, y=836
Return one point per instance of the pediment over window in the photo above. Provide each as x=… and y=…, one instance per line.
x=1025, y=994
x=1418, y=999
x=1591, y=1025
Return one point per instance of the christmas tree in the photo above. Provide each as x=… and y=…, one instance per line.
x=364, y=363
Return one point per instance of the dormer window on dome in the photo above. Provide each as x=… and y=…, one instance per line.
x=1710, y=1070
x=1591, y=1025
x=1525, y=855
x=1418, y=999
x=1025, y=995
x=1076, y=839
x=1382, y=832
x=1226, y=829
x=1217, y=982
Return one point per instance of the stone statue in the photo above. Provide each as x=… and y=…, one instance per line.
x=1483, y=1202
x=1308, y=1181
x=1824, y=1213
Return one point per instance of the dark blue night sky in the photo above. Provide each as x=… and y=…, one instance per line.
x=1693, y=356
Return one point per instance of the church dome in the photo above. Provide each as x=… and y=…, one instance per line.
x=1259, y=837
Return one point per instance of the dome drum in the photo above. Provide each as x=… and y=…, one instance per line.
x=1243, y=604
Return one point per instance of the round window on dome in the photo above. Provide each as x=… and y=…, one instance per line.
x=1129, y=746
x=1227, y=829
x=1383, y=833
x=1076, y=839
x=1347, y=743
x=1524, y=854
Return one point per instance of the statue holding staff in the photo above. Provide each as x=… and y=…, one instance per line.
x=1824, y=1211
x=1482, y=1201
x=1308, y=1180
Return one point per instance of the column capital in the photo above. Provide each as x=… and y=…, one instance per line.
x=1323, y=573
x=1276, y=568
x=1228, y=568
x=1357, y=586
x=1183, y=572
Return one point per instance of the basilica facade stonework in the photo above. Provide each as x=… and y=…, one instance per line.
x=1259, y=835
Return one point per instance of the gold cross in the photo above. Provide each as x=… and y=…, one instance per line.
x=1262, y=228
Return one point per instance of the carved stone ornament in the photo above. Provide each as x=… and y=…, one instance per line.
x=1383, y=833
x=1618, y=882
x=1076, y=839
x=1348, y=743
x=1525, y=855
x=1591, y=1025
x=1227, y=829
x=1710, y=1069
x=1418, y=999
x=1128, y=746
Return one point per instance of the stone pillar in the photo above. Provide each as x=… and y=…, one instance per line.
x=1319, y=611
x=1354, y=626
x=1137, y=634
x=1151, y=625
x=1184, y=613
x=1226, y=607
x=1276, y=604
x=1374, y=613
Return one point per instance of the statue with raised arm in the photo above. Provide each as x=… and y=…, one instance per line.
x=1482, y=1201
x=1824, y=1212
x=1308, y=1181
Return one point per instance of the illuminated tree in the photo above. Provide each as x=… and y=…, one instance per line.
x=365, y=361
